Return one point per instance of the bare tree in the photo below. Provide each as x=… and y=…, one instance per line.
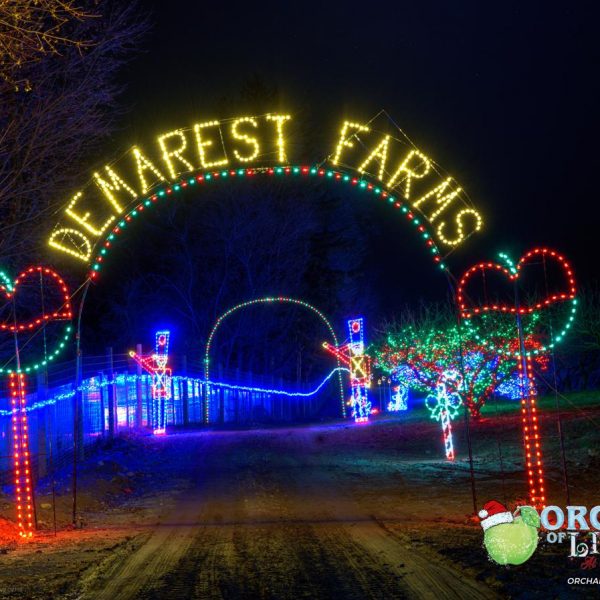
x=33, y=29
x=46, y=132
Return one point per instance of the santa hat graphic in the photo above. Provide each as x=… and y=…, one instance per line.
x=494, y=513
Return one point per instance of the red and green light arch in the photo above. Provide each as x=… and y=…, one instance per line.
x=298, y=172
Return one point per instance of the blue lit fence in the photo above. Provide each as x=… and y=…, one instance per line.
x=111, y=402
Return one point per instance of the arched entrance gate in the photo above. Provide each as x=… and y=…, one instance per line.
x=378, y=161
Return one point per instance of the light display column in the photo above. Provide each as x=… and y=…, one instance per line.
x=353, y=355
x=21, y=458
x=36, y=316
x=560, y=291
x=156, y=366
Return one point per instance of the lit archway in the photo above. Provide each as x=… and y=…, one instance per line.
x=269, y=300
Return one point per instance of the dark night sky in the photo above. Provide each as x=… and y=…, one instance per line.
x=503, y=97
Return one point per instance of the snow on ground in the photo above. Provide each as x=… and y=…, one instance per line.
x=329, y=510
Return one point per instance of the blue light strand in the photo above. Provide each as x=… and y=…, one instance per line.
x=94, y=384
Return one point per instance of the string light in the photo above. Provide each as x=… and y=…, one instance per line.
x=17, y=381
x=279, y=120
x=82, y=251
x=116, y=184
x=156, y=365
x=63, y=312
x=170, y=153
x=345, y=140
x=399, y=399
x=6, y=283
x=380, y=154
x=531, y=435
x=257, y=302
x=353, y=356
x=270, y=391
x=444, y=405
x=404, y=377
x=296, y=171
x=523, y=350
x=93, y=385
x=512, y=273
x=144, y=164
x=21, y=461
x=442, y=199
x=83, y=219
x=76, y=243
x=409, y=172
x=251, y=141
x=417, y=358
x=206, y=143
x=460, y=227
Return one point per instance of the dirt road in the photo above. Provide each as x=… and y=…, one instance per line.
x=266, y=515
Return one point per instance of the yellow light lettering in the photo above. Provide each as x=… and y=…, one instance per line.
x=410, y=172
x=145, y=164
x=279, y=121
x=116, y=184
x=82, y=250
x=443, y=199
x=251, y=141
x=83, y=219
x=345, y=138
x=460, y=227
x=380, y=153
x=205, y=143
x=170, y=153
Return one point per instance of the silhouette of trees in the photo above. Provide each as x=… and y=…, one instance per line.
x=70, y=58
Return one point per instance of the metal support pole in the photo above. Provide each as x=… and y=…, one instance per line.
x=466, y=411
x=139, y=414
x=111, y=393
x=185, y=408
x=77, y=429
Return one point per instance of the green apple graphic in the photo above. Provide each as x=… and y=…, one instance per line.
x=509, y=539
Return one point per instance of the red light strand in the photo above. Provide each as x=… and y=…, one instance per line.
x=569, y=294
x=21, y=460
x=531, y=434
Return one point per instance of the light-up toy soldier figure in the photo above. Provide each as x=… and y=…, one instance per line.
x=353, y=356
x=156, y=365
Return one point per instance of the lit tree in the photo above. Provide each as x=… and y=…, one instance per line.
x=429, y=352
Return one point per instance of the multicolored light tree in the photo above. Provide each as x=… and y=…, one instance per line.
x=418, y=356
x=156, y=365
x=35, y=302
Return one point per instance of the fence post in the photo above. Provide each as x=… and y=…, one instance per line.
x=111, y=393
x=102, y=403
x=184, y=393
x=78, y=400
x=139, y=421
x=42, y=395
x=221, y=395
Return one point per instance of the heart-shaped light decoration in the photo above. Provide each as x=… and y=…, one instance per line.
x=60, y=311
x=512, y=273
